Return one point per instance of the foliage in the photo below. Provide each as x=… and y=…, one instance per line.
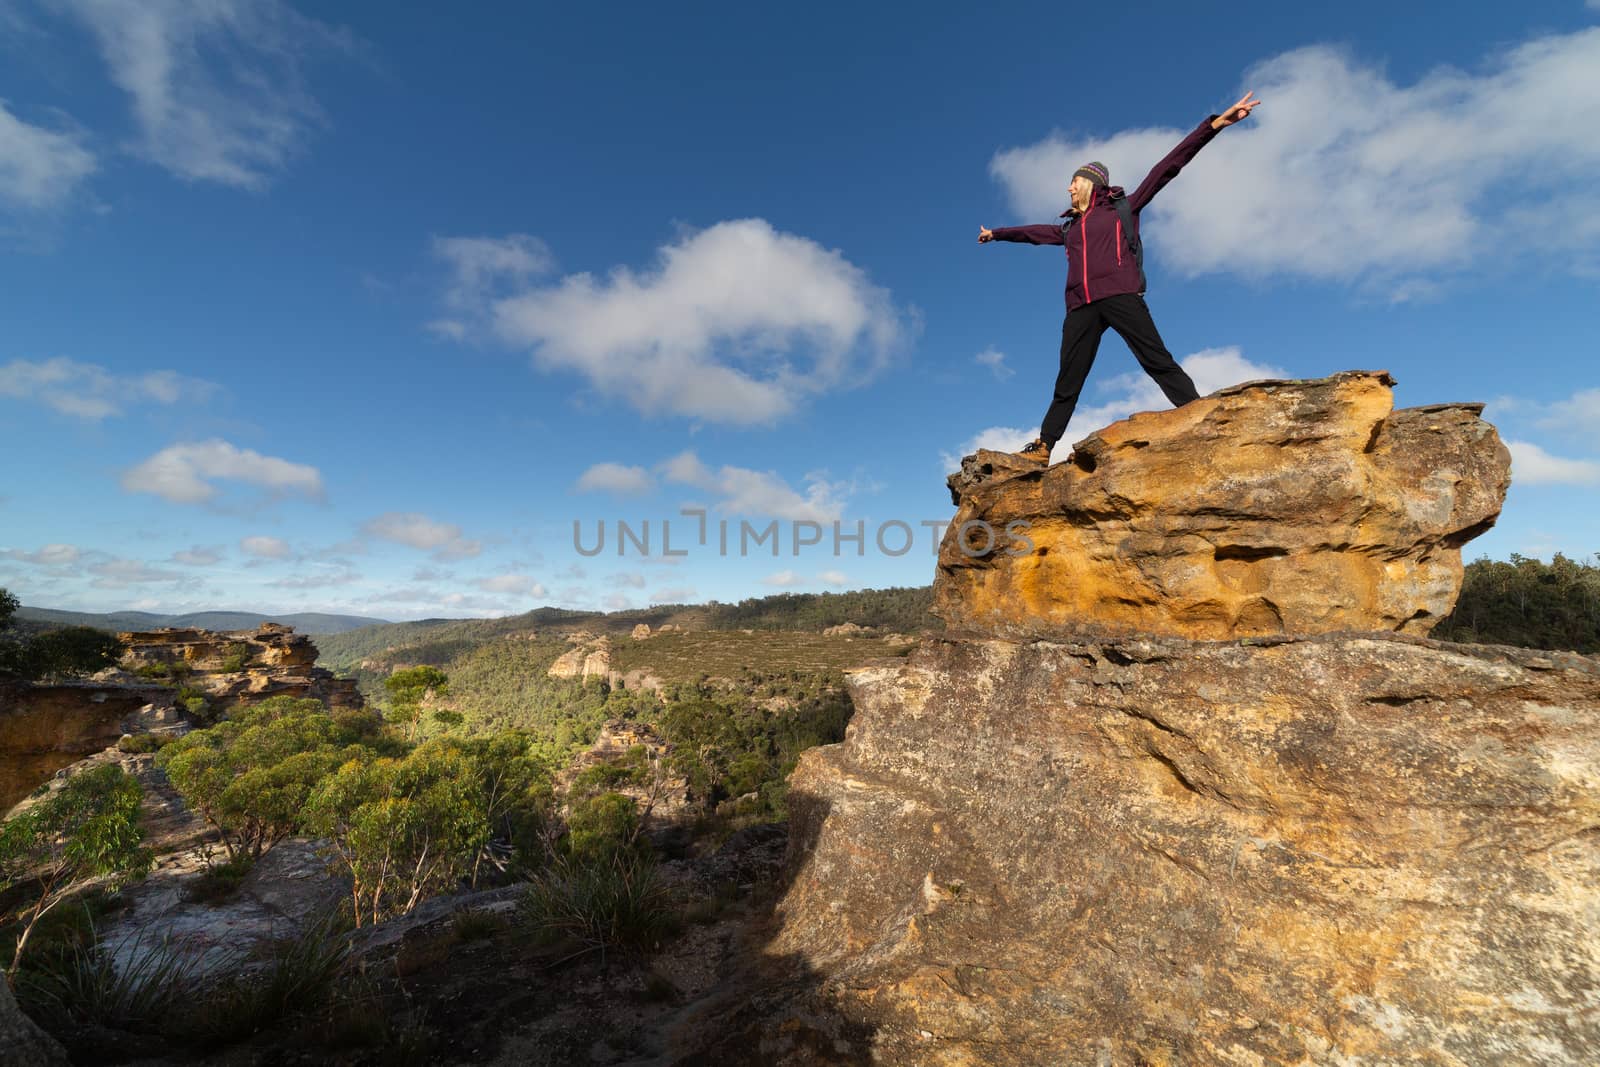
x=87, y=829
x=726, y=747
x=409, y=688
x=61, y=652
x=900, y=609
x=136, y=989
x=1525, y=602
x=614, y=902
x=237, y=658
x=406, y=828
x=250, y=776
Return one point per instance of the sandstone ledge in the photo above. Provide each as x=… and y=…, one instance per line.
x=1270, y=507
x=1346, y=849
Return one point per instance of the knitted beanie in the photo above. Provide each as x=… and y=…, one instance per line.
x=1095, y=172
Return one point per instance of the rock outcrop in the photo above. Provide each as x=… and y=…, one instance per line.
x=44, y=728
x=1337, y=849
x=23, y=1044
x=242, y=667
x=1271, y=507
x=1046, y=839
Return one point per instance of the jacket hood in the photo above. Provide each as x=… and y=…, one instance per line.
x=1102, y=195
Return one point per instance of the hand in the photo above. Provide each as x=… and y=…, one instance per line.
x=1238, y=111
x=985, y=236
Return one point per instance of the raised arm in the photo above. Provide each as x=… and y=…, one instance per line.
x=1031, y=235
x=1187, y=149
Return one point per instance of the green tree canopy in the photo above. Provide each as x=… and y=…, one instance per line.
x=89, y=828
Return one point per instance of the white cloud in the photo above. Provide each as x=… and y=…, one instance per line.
x=1579, y=415
x=183, y=473
x=39, y=168
x=675, y=594
x=217, y=88
x=520, y=584
x=263, y=547
x=198, y=555
x=316, y=579
x=55, y=555
x=750, y=492
x=1345, y=175
x=416, y=530
x=482, y=267
x=628, y=580
x=121, y=573
x=1532, y=465
x=737, y=323
x=833, y=578
x=997, y=438
x=615, y=478
x=616, y=602
x=995, y=360
x=784, y=579
x=89, y=391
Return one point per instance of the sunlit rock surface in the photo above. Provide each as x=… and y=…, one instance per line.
x=1272, y=507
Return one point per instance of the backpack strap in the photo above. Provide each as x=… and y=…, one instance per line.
x=1130, y=235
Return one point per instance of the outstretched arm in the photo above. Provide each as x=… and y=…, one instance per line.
x=1187, y=149
x=1033, y=235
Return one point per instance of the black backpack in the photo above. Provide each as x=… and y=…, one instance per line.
x=1129, y=234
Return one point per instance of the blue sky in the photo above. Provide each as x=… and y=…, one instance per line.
x=360, y=307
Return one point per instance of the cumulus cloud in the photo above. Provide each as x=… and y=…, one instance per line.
x=997, y=438
x=520, y=584
x=833, y=578
x=1346, y=175
x=263, y=547
x=198, y=555
x=483, y=269
x=183, y=474
x=416, y=530
x=675, y=594
x=615, y=478
x=39, y=167
x=54, y=555
x=217, y=89
x=1578, y=416
x=1532, y=465
x=121, y=573
x=616, y=602
x=742, y=491
x=628, y=580
x=89, y=391
x=995, y=360
x=784, y=579
x=737, y=323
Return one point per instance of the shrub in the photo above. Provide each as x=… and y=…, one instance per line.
x=84, y=984
x=615, y=902
x=86, y=830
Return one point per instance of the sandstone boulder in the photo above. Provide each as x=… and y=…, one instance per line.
x=1270, y=507
x=1339, y=849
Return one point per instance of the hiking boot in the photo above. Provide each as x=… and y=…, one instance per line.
x=1037, y=450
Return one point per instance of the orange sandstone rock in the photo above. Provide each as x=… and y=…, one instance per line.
x=1274, y=507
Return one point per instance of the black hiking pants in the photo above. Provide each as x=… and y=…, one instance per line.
x=1128, y=314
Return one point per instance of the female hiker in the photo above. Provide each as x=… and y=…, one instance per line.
x=1105, y=276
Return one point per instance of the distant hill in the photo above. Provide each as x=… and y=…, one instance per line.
x=306, y=622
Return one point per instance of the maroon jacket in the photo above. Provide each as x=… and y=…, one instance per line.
x=1099, y=261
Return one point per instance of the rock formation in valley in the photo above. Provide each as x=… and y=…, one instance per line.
x=1067, y=832
x=238, y=667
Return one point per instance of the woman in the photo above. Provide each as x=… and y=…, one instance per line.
x=1105, y=283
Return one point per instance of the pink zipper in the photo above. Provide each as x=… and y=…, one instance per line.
x=1083, y=227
